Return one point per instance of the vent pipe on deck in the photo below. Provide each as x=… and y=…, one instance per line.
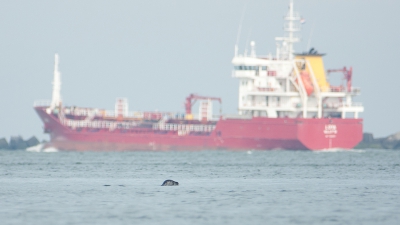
x=56, y=97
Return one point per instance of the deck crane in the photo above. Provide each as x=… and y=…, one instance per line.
x=348, y=73
x=191, y=100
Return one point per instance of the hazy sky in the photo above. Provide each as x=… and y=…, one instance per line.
x=156, y=52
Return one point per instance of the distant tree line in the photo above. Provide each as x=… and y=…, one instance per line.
x=18, y=143
x=390, y=142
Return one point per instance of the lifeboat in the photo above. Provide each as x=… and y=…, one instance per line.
x=305, y=78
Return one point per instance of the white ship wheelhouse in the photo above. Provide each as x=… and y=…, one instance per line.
x=290, y=85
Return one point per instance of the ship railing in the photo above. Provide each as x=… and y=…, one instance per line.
x=97, y=124
x=143, y=115
x=234, y=116
x=96, y=112
x=354, y=90
x=183, y=127
x=265, y=89
x=113, y=125
x=261, y=104
x=247, y=73
x=256, y=73
x=42, y=102
x=353, y=104
x=92, y=112
x=337, y=89
x=80, y=111
x=342, y=104
x=331, y=105
x=87, y=112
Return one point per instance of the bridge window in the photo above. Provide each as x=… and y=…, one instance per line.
x=242, y=67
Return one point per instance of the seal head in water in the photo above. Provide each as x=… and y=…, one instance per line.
x=170, y=183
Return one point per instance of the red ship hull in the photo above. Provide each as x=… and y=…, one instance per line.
x=258, y=133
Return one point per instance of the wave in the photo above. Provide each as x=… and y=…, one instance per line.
x=41, y=148
x=340, y=150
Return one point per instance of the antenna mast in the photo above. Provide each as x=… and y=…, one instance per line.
x=56, y=97
x=291, y=26
x=240, y=30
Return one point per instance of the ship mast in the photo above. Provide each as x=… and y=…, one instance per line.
x=286, y=51
x=56, y=97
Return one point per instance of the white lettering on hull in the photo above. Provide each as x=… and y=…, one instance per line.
x=330, y=131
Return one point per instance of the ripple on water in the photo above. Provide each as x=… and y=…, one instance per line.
x=276, y=187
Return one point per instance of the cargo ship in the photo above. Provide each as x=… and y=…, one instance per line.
x=285, y=102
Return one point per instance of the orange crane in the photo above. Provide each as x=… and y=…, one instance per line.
x=192, y=98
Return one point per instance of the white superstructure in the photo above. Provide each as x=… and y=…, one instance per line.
x=292, y=85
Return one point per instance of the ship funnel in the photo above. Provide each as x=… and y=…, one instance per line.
x=56, y=97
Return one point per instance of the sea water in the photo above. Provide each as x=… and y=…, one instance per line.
x=215, y=187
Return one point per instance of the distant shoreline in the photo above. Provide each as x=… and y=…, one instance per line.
x=390, y=142
x=368, y=141
x=18, y=143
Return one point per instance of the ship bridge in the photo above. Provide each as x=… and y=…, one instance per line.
x=292, y=85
